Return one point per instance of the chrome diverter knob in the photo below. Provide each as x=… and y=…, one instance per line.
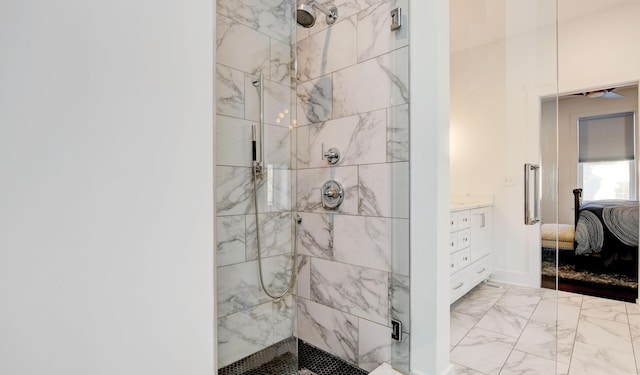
x=332, y=194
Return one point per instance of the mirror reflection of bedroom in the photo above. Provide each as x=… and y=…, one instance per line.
x=596, y=223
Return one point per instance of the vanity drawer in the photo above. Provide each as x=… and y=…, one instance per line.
x=459, y=260
x=463, y=259
x=453, y=265
x=453, y=221
x=464, y=219
x=464, y=238
x=453, y=242
x=480, y=270
x=458, y=286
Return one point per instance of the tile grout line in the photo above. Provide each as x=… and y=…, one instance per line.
x=476, y=323
x=519, y=336
x=575, y=336
x=633, y=346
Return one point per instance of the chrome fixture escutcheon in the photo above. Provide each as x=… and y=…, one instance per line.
x=332, y=155
x=332, y=194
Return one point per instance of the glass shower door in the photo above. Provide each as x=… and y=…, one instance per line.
x=353, y=95
x=503, y=97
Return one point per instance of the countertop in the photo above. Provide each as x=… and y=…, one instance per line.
x=469, y=201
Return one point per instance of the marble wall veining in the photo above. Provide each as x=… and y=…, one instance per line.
x=350, y=89
x=253, y=38
x=353, y=267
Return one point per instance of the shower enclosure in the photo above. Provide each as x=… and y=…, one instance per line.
x=314, y=121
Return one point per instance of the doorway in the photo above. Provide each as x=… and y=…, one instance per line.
x=596, y=157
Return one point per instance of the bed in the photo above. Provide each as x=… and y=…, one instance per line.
x=606, y=235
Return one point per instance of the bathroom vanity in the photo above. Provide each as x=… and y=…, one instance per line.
x=470, y=244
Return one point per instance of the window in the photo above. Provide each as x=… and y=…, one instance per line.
x=606, y=156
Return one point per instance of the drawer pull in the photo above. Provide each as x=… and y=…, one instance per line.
x=452, y=265
x=452, y=244
x=465, y=258
x=458, y=286
x=482, y=270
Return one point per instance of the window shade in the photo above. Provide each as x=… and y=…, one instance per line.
x=606, y=138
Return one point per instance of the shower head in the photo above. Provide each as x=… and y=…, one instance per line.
x=306, y=16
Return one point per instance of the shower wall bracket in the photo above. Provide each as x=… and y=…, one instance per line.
x=396, y=329
x=396, y=19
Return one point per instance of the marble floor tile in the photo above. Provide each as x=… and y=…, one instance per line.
x=563, y=298
x=525, y=291
x=460, y=325
x=568, y=316
x=632, y=308
x=604, y=309
x=520, y=363
x=604, y=333
x=489, y=289
x=546, y=312
x=520, y=330
x=562, y=368
x=633, y=315
x=634, y=326
x=483, y=351
x=524, y=303
x=538, y=339
x=507, y=321
x=564, y=316
x=550, y=294
x=476, y=305
x=564, y=346
x=636, y=352
x=590, y=359
x=461, y=370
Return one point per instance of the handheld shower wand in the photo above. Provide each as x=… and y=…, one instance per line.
x=254, y=152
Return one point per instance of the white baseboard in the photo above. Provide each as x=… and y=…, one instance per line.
x=517, y=278
x=449, y=370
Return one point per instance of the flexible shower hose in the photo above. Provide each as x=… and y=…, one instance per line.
x=298, y=220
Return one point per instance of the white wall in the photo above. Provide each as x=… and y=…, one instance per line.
x=597, y=47
x=106, y=200
x=429, y=171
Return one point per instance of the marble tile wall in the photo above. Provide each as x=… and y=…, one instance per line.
x=353, y=267
x=352, y=92
x=253, y=38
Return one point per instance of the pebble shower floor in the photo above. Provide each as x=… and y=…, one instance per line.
x=280, y=359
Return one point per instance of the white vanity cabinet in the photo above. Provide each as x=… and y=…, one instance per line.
x=469, y=248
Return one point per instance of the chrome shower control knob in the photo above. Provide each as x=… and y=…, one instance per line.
x=331, y=155
x=332, y=194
